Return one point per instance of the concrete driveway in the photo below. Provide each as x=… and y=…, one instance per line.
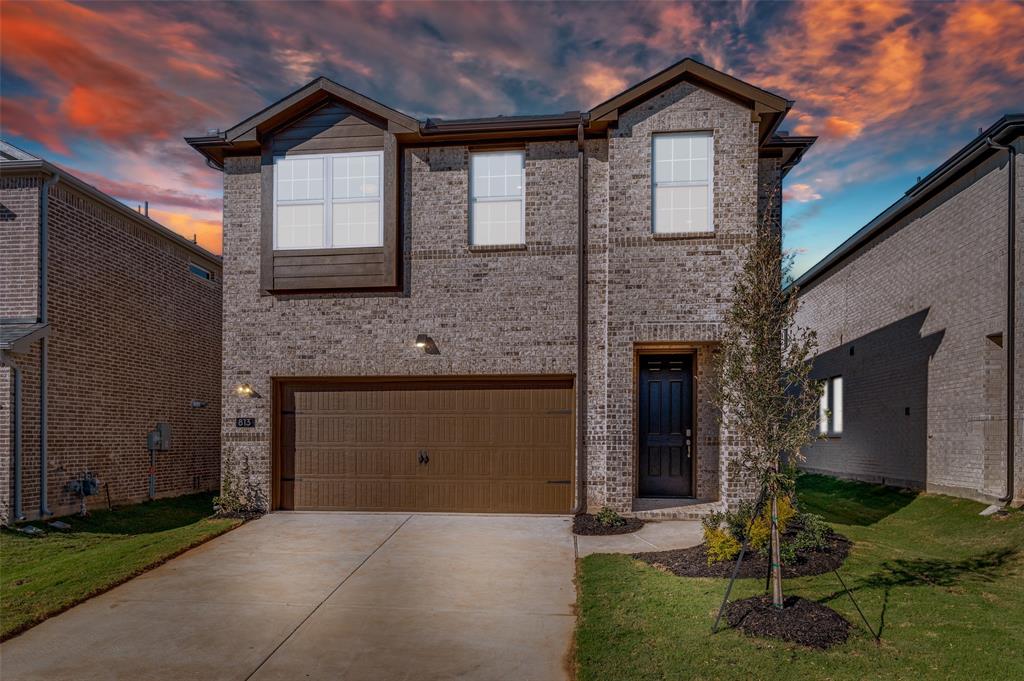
x=329, y=596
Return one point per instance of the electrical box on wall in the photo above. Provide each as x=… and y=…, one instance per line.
x=159, y=439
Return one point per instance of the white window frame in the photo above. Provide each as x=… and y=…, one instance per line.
x=328, y=200
x=497, y=199
x=710, y=182
x=831, y=417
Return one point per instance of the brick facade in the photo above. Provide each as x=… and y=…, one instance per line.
x=914, y=321
x=513, y=311
x=135, y=338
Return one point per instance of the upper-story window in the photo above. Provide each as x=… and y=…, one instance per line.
x=497, y=198
x=683, y=182
x=328, y=201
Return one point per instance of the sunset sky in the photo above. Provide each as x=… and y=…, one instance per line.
x=891, y=88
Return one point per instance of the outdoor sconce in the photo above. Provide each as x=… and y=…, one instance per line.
x=427, y=344
x=246, y=390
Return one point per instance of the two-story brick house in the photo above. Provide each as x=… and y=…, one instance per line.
x=109, y=324
x=501, y=314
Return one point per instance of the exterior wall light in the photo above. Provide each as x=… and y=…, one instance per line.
x=246, y=390
x=427, y=344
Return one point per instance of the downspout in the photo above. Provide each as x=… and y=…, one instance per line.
x=1011, y=304
x=44, y=346
x=5, y=358
x=581, y=324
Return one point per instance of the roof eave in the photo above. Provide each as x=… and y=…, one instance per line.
x=1006, y=128
x=41, y=166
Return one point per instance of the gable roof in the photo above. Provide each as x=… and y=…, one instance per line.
x=690, y=70
x=1005, y=130
x=767, y=109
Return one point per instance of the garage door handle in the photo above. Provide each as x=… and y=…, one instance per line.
x=424, y=457
x=558, y=482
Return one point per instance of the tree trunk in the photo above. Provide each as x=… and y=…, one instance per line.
x=776, y=561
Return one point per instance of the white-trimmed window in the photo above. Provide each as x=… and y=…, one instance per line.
x=497, y=198
x=328, y=201
x=683, y=182
x=830, y=409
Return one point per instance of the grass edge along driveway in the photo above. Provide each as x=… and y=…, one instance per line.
x=945, y=585
x=43, y=576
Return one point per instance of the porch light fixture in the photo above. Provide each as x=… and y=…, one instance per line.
x=246, y=390
x=427, y=344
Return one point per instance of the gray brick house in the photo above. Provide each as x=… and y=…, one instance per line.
x=109, y=324
x=919, y=320
x=499, y=314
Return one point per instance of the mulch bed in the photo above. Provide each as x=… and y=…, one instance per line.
x=800, y=621
x=587, y=524
x=693, y=562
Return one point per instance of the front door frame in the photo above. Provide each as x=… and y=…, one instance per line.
x=664, y=348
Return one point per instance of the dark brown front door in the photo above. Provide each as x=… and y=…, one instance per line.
x=666, y=426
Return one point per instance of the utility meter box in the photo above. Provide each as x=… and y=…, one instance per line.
x=159, y=439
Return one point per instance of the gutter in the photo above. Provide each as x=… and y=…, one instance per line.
x=44, y=344
x=581, y=323
x=1011, y=308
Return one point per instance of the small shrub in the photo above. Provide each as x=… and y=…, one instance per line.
x=609, y=518
x=761, y=527
x=738, y=521
x=721, y=545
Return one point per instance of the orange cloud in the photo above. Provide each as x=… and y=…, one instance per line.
x=602, y=81
x=207, y=233
x=836, y=126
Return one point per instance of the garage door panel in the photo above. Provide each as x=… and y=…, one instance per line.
x=500, y=449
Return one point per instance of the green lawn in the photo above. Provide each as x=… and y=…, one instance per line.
x=944, y=585
x=42, y=576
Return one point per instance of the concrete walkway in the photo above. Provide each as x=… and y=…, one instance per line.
x=329, y=596
x=654, y=536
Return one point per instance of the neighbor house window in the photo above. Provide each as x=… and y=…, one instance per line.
x=200, y=272
x=328, y=201
x=830, y=409
x=497, y=198
x=683, y=174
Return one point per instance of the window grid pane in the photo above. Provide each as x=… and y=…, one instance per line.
x=300, y=225
x=356, y=224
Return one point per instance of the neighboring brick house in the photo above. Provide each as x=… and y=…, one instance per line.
x=130, y=315
x=918, y=317
x=404, y=319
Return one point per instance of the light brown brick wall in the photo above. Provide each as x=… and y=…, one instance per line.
x=135, y=337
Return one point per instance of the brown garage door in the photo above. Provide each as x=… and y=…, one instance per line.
x=481, y=445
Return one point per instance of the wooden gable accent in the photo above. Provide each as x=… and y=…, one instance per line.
x=335, y=127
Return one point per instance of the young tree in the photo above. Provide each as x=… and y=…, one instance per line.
x=762, y=374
